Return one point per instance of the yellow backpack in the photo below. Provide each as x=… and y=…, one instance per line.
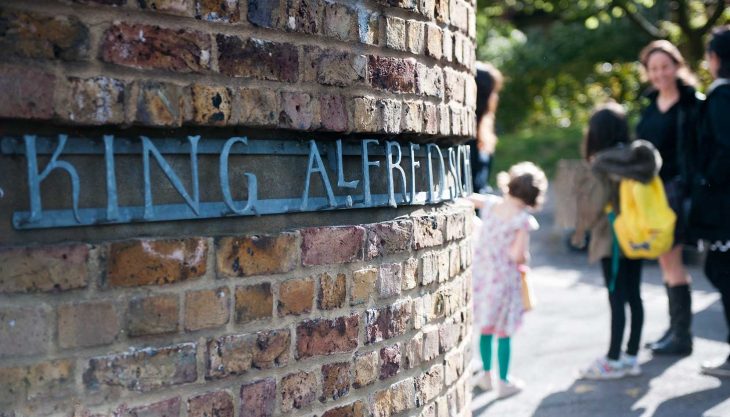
x=645, y=226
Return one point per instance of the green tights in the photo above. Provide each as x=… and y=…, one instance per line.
x=503, y=354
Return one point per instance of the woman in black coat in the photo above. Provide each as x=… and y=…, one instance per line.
x=669, y=123
x=710, y=216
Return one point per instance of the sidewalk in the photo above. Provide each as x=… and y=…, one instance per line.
x=569, y=328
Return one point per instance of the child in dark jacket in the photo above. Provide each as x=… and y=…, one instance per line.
x=611, y=156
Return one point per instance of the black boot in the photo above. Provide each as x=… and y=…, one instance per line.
x=680, y=342
x=667, y=334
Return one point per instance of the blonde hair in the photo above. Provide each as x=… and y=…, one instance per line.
x=525, y=181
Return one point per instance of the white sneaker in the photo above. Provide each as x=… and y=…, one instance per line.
x=603, y=368
x=483, y=380
x=630, y=365
x=509, y=388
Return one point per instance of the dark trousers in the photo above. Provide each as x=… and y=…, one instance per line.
x=626, y=290
x=717, y=269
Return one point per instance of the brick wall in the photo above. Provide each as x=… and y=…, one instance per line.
x=386, y=66
x=365, y=320
x=369, y=319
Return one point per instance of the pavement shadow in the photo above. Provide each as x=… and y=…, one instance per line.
x=710, y=323
x=689, y=404
x=609, y=398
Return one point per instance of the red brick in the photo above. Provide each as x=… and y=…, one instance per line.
x=24, y=331
x=217, y=10
x=389, y=361
x=45, y=268
x=296, y=296
x=391, y=74
x=257, y=58
x=256, y=107
x=207, y=308
x=179, y=7
x=156, y=262
x=235, y=354
x=211, y=404
x=324, y=337
x=387, y=322
x=144, y=370
x=258, y=398
x=332, y=291
x=332, y=245
x=254, y=302
x=335, y=381
x=166, y=408
x=388, y=238
x=257, y=255
x=153, y=47
x=40, y=36
x=356, y=409
x=159, y=104
x=26, y=93
x=211, y=105
x=340, y=22
x=333, y=110
x=76, y=330
x=298, y=390
x=153, y=315
x=299, y=111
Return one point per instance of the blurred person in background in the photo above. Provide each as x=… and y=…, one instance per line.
x=489, y=83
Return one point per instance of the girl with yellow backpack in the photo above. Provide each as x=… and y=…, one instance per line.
x=619, y=169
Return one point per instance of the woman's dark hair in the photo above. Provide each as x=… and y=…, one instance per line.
x=606, y=128
x=488, y=79
x=720, y=45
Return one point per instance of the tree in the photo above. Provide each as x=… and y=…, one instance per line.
x=684, y=22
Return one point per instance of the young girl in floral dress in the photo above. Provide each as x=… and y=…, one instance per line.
x=500, y=252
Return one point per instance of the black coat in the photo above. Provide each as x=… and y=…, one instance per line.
x=688, y=115
x=710, y=214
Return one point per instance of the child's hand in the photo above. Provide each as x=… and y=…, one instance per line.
x=578, y=239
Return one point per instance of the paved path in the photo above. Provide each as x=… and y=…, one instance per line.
x=569, y=328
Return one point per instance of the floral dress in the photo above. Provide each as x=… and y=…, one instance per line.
x=497, y=298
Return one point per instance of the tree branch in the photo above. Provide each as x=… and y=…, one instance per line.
x=719, y=10
x=639, y=20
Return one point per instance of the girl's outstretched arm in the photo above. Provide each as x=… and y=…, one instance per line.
x=478, y=199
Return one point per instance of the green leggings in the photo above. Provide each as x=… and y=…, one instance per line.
x=503, y=354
